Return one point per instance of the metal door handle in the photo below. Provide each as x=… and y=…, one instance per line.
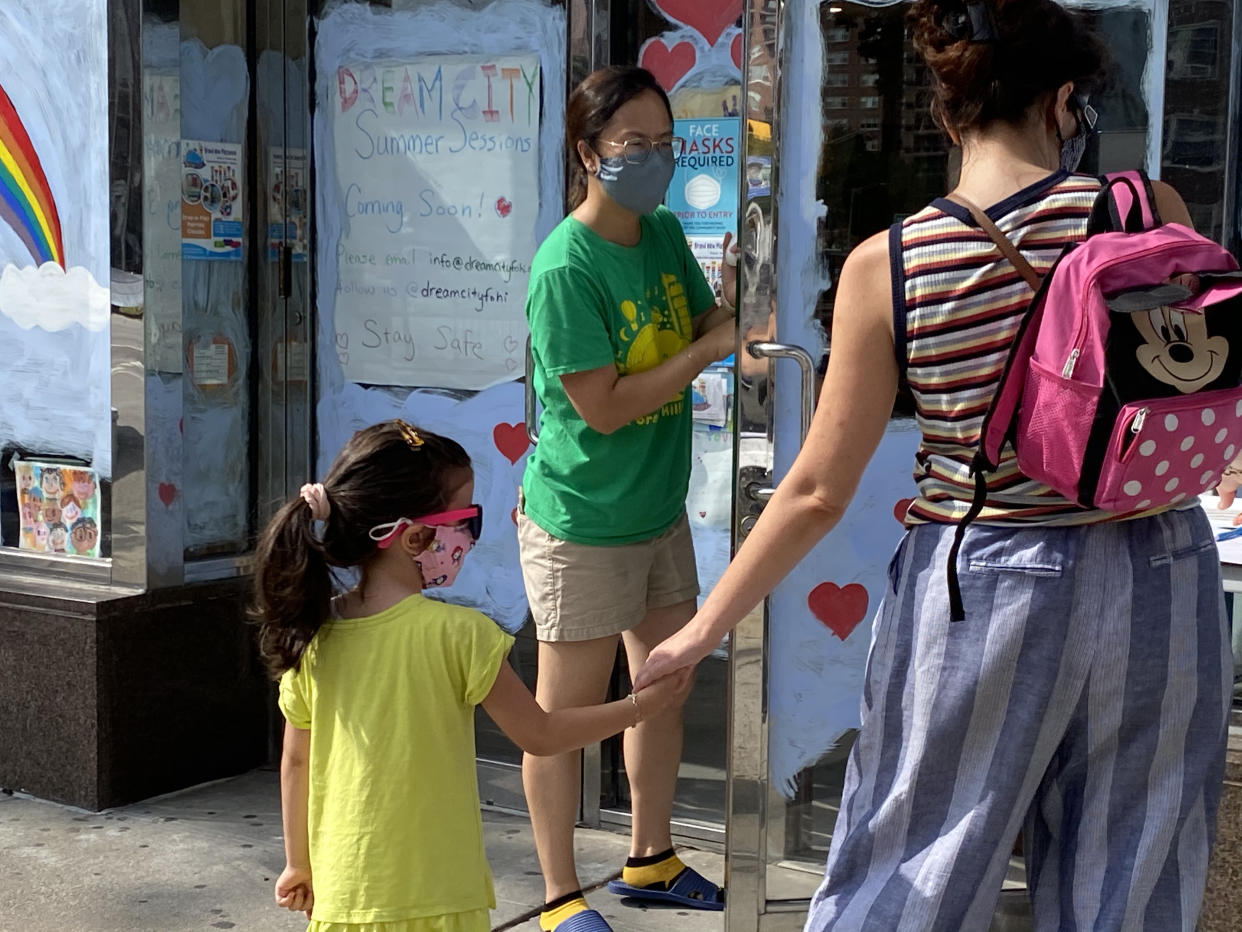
x=760, y=493
x=532, y=403
x=765, y=350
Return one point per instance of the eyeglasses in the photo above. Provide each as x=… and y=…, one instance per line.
x=637, y=149
x=471, y=518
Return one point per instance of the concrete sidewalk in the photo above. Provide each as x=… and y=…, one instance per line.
x=206, y=858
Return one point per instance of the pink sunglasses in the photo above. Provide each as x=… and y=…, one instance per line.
x=471, y=517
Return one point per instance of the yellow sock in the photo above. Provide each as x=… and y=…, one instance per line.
x=658, y=872
x=556, y=912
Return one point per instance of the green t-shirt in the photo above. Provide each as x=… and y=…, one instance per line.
x=593, y=303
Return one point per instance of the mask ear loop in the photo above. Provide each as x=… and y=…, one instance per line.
x=385, y=534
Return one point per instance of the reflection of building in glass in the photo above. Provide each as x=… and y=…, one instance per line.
x=1193, y=157
x=851, y=102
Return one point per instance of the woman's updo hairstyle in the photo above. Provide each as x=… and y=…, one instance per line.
x=992, y=59
x=592, y=104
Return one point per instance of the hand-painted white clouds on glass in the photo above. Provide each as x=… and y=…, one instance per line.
x=54, y=244
x=53, y=299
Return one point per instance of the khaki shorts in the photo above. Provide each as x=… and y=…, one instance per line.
x=579, y=592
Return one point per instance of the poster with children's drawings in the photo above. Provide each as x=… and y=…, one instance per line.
x=59, y=508
x=211, y=200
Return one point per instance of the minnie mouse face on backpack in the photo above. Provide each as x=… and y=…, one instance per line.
x=1177, y=349
x=1169, y=349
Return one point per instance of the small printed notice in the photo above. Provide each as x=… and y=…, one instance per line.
x=211, y=200
x=210, y=363
x=288, y=221
x=436, y=172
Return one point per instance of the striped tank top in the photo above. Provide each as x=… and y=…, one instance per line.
x=957, y=303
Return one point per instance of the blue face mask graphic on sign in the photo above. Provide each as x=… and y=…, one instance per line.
x=637, y=186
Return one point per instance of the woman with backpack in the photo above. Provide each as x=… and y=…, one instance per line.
x=1083, y=700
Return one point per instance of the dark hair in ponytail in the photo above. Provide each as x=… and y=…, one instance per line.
x=385, y=472
x=993, y=59
x=592, y=104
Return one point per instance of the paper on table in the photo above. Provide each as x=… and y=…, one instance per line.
x=1222, y=520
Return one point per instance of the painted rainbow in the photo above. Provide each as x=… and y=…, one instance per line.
x=26, y=202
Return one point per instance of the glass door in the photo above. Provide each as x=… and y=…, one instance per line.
x=816, y=188
x=281, y=169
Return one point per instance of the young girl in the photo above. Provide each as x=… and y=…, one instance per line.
x=378, y=687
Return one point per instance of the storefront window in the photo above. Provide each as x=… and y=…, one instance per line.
x=56, y=423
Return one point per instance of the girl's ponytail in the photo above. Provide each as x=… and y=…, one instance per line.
x=293, y=586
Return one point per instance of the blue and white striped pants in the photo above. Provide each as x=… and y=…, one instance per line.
x=1083, y=701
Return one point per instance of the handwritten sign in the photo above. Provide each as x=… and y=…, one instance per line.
x=437, y=168
x=162, y=235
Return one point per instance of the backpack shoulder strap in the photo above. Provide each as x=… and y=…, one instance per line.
x=1126, y=203
x=1008, y=249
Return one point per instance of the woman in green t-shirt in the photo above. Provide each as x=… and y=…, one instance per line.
x=621, y=321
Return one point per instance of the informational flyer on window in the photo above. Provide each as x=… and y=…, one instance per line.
x=211, y=200
x=288, y=218
x=436, y=165
x=704, y=191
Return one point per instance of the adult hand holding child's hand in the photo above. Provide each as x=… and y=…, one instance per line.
x=659, y=696
x=680, y=653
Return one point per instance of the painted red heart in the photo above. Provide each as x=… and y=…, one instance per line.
x=735, y=50
x=668, y=65
x=503, y=206
x=511, y=440
x=702, y=514
x=900, y=509
x=709, y=18
x=513, y=515
x=839, y=609
x=167, y=493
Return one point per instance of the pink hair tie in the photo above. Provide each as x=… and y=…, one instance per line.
x=315, y=495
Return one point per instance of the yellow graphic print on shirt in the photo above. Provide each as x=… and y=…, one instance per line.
x=654, y=333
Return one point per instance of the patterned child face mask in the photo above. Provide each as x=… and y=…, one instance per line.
x=456, y=532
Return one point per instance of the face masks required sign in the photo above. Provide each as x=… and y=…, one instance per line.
x=436, y=167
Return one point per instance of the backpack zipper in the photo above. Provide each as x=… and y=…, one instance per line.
x=1139, y=420
x=1070, y=363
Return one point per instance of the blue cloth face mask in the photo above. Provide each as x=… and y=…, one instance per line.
x=637, y=186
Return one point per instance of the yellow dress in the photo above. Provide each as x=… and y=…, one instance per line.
x=396, y=836
x=477, y=921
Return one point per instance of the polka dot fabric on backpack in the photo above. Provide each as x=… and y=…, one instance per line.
x=1164, y=452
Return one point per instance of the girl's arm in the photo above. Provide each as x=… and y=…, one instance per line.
x=854, y=409
x=294, y=889
x=512, y=707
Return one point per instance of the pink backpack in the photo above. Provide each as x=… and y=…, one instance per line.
x=1121, y=391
